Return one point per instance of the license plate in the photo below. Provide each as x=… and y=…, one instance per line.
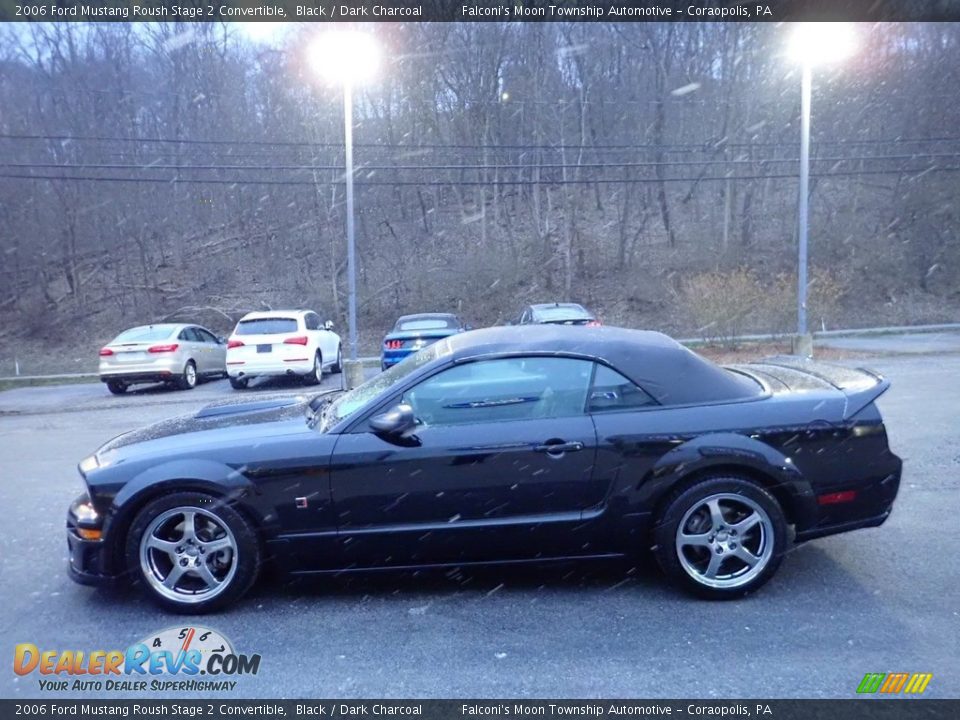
x=131, y=356
x=264, y=348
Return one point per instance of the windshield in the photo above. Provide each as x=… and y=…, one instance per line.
x=144, y=334
x=267, y=326
x=427, y=323
x=351, y=401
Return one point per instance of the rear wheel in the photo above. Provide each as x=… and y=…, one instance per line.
x=721, y=538
x=188, y=379
x=117, y=387
x=238, y=383
x=315, y=376
x=338, y=365
x=193, y=552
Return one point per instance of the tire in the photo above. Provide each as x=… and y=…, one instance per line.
x=726, y=556
x=338, y=365
x=315, y=377
x=188, y=378
x=117, y=387
x=158, y=544
x=239, y=383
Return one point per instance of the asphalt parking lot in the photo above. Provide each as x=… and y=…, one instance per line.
x=879, y=600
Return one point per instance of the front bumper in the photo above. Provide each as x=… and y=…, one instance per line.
x=89, y=560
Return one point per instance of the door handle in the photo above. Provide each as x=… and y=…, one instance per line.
x=559, y=448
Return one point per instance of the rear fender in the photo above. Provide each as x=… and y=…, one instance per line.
x=730, y=454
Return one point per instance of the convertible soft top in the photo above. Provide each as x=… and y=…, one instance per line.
x=671, y=373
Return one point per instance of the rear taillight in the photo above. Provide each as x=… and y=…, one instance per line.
x=594, y=323
x=393, y=344
x=164, y=348
x=837, y=497
x=106, y=352
x=234, y=343
x=300, y=340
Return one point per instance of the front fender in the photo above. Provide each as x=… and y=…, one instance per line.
x=182, y=475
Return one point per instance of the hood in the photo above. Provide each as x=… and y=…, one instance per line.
x=227, y=422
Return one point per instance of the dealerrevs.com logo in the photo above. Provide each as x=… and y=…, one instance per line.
x=895, y=683
x=171, y=660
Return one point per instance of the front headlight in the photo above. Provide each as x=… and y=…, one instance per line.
x=85, y=513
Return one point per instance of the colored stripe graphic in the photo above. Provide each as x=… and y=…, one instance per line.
x=893, y=683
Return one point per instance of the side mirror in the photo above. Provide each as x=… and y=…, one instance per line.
x=395, y=421
x=221, y=340
x=328, y=325
x=467, y=327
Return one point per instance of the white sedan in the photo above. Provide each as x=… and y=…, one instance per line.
x=282, y=343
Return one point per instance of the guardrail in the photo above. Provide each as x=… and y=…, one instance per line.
x=852, y=332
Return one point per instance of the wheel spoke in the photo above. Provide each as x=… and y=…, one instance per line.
x=189, y=525
x=748, y=557
x=203, y=570
x=700, y=540
x=164, y=546
x=218, y=545
x=171, y=580
x=713, y=568
x=747, y=523
x=716, y=514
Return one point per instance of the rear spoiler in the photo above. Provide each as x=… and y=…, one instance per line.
x=860, y=386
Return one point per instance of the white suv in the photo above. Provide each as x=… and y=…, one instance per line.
x=282, y=342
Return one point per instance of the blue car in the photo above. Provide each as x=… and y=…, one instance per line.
x=413, y=332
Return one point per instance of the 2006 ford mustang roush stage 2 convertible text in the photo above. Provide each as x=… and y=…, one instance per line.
x=514, y=444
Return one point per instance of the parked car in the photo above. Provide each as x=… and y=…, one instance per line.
x=282, y=342
x=500, y=445
x=415, y=332
x=172, y=353
x=556, y=314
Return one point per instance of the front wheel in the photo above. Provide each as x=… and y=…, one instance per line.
x=193, y=552
x=338, y=365
x=721, y=538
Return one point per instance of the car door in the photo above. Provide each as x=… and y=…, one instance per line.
x=215, y=351
x=502, y=468
x=192, y=348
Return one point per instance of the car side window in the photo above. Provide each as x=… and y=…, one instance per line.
x=612, y=391
x=523, y=388
x=188, y=335
x=311, y=321
x=206, y=336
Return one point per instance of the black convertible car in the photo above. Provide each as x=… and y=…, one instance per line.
x=499, y=445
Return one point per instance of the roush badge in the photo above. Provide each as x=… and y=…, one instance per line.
x=170, y=660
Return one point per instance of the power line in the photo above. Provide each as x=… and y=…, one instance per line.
x=489, y=166
x=916, y=172
x=710, y=145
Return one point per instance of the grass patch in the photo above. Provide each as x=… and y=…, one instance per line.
x=41, y=382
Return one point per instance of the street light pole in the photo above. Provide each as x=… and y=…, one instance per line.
x=804, y=210
x=351, y=246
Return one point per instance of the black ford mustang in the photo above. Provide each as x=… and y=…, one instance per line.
x=499, y=445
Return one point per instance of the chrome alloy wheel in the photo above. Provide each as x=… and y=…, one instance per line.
x=190, y=375
x=725, y=541
x=188, y=555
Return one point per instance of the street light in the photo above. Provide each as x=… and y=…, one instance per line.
x=811, y=44
x=348, y=58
